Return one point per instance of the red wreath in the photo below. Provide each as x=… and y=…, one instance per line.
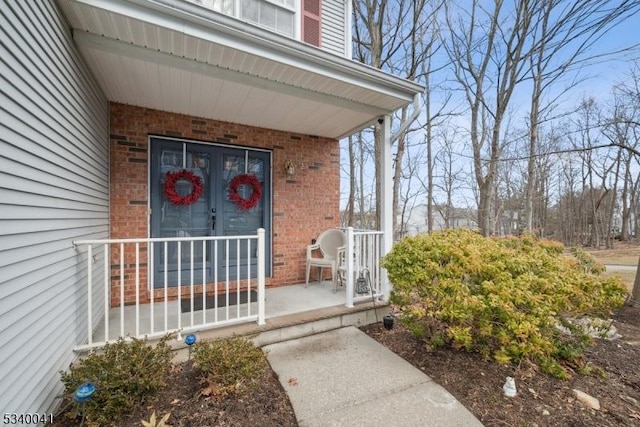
x=245, y=179
x=170, y=187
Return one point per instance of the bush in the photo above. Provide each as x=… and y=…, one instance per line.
x=500, y=297
x=124, y=373
x=231, y=365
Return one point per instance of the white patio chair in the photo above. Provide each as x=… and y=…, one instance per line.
x=324, y=253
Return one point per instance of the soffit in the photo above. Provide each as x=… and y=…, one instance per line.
x=178, y=57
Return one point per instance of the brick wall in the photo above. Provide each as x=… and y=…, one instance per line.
x=303, y=204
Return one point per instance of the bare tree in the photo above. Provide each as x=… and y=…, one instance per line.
x=451, y=176
x=489, y=49
x=398, y=36
x=562, y=38
x=411, y=190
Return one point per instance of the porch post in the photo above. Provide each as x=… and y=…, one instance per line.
x=386, y=204
x=261, y=273
x=349, y=274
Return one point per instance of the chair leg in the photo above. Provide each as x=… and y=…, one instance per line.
x=308, y=271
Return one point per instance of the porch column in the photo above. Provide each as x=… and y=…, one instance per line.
x=386, y=204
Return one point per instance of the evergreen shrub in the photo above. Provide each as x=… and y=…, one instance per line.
x=230, y=365
x=501, y=297
x=124, y=373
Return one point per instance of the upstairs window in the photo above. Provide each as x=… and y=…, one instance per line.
x=275, y=15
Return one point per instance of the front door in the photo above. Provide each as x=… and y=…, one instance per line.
x=212, y=214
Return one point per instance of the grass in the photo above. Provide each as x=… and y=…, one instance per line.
x=622, y=254
x=627, y=277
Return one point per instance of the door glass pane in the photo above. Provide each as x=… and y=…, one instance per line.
x=184, y=221
x=237, y=221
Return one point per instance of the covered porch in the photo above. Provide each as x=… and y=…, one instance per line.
x=194, y=90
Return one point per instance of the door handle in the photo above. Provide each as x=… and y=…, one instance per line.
x=213, y=218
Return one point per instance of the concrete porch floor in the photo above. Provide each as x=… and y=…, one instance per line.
x=290, y=311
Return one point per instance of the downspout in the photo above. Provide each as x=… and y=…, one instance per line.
x=404, y=125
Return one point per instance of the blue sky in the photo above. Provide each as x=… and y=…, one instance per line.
x=599, y=78
x=611, y=70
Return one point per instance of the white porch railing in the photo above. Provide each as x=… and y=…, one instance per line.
x=125, y=288
x=365, y=246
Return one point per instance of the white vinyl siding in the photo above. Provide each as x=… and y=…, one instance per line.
x=334, y=27
x=54, y=189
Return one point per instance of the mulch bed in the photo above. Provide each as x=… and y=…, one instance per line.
x=542, y=400
x=477, y=383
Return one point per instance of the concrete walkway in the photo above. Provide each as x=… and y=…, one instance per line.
x=345, y=378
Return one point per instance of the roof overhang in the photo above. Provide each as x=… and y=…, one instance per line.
x=176, y=56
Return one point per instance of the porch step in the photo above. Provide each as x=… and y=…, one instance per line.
x=292, y=326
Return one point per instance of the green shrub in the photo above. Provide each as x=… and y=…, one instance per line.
x=231, y=365
x=124, y=373
x=500, y=297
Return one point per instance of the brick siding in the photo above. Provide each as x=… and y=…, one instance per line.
x=303, y=204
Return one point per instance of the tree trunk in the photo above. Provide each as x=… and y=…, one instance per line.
x=636, y=285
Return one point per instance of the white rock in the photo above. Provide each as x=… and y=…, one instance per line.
x=509, y=387
x=546, y=413
x=587, y=400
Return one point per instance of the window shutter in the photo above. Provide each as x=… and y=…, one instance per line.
x=311, y=22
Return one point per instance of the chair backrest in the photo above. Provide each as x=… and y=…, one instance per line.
x=329, y=241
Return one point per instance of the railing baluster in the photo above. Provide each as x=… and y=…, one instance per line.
x=89, y=292
x=261, y=274
x=248, y=277
x=107, y=287
x=166, y=286
x=137, y=281
x=215, y=281
x=204, y=282
x=192, y=281
x=378, y=281
x=122, y=289
x=226, y=285
x=151, y=285
x=179, y=288
x=238, y=267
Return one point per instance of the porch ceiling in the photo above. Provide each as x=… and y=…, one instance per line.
x=175, y=56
